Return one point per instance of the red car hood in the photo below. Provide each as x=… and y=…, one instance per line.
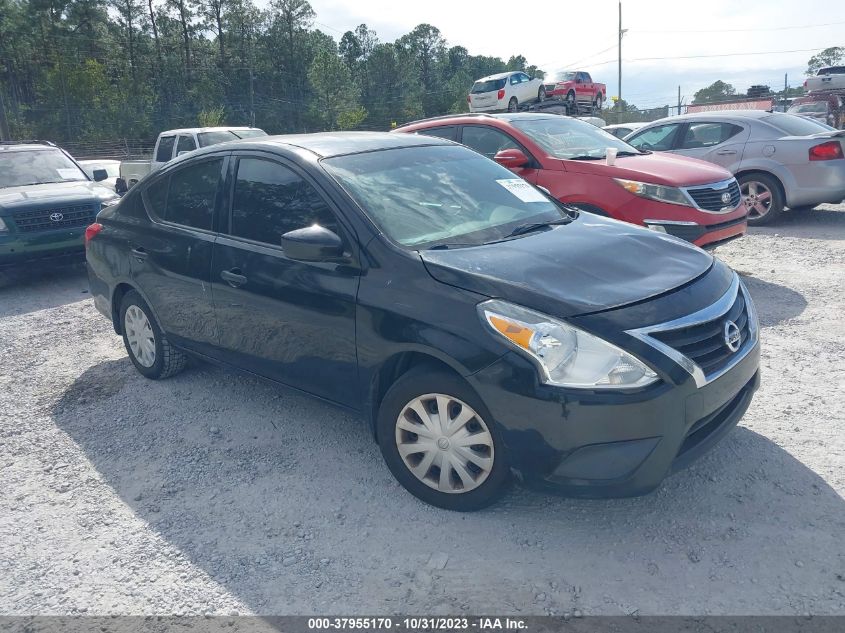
x=657, y=168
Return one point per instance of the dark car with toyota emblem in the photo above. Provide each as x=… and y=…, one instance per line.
x=480, y=327
x=46, y=201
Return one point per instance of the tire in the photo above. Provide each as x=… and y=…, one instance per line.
x=754, y=187
x=478, y=474
x=541, y=94
x=149, y=350
x=597, y=105
x=571, y=103
x=513, y=105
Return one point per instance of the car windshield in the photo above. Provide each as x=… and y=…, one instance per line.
x=565, y=75
x=817, y=106
x=36, y=167
x=440, y=195
x=487, y=86
x=221, y=136
x=567, y=138
x=793, y=125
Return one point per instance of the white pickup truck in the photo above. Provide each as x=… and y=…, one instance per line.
x=173, y=143
x=829, y=78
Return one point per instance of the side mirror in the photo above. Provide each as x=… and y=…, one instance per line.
x=120, y=186
x=312, y=244
x=100, y=174
x=511, y=158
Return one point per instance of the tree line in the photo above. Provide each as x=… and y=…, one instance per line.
x=88, y=70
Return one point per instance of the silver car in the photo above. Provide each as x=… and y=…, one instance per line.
x=780, y=160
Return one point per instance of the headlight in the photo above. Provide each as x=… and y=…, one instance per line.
x=3, y=227
x=566, y=355
x=661, y=193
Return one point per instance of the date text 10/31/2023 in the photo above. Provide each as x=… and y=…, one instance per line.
x=418, y=623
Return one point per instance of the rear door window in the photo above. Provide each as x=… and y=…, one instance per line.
x=708, y=134
x=660, y=138
x=193, y=193
x=271, y=199
x=165, y=149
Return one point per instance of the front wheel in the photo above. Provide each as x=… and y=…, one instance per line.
x=439, y=441
x=513, y=105
x=598, y=102
x=541, y=94
x=762, y=196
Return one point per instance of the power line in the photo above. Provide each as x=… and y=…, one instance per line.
x=648, y=59
x=773, y=28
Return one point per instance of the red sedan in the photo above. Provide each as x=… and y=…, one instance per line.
x=691, y=199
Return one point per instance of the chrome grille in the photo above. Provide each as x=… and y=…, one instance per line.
x=709, y=198
x=704, y=343
x=698, y=342
x=52, y=218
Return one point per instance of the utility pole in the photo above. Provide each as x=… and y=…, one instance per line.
x=619, y=77
x=4, y=122
x=251, y=80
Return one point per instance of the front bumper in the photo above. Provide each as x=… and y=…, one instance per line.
x=613, y=444
x=20, y=248
x=702, y=228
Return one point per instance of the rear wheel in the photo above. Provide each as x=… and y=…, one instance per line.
x=148, y=348
x=513, y=105
x=762, y=196
x=439, y=441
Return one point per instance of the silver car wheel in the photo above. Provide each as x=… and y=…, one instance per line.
x=757, y=198
x=444, y=443
x=140, y=336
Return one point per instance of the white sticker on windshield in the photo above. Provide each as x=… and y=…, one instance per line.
x=523, y=190
x=68, y=174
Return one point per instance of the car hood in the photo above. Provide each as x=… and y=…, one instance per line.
x=590, y=265
x=76, y=192
x=657, y=168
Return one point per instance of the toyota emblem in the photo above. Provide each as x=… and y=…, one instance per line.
x=726, y=197
x=732, y=336
x=57, y=217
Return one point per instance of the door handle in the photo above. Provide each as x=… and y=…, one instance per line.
x=726, y=152
x=233, y=277
x=139, y=253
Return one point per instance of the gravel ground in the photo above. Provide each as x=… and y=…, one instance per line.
x=212, y=492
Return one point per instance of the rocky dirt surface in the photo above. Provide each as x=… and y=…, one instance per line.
x=215, y=493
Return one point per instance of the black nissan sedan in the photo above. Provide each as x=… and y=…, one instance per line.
x=481, y=328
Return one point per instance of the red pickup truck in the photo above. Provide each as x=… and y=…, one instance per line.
x=577, y=88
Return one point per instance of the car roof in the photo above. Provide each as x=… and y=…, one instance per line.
x=328, y=144
x=632, y=125
x=499, y=75
x=197, y=130
x=15, y=147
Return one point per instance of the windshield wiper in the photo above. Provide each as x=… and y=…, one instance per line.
x=627, y=153
x=586, y=157
x=442, y=246
x=522, y=229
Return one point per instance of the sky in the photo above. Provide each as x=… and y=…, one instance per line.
x=582, y=35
